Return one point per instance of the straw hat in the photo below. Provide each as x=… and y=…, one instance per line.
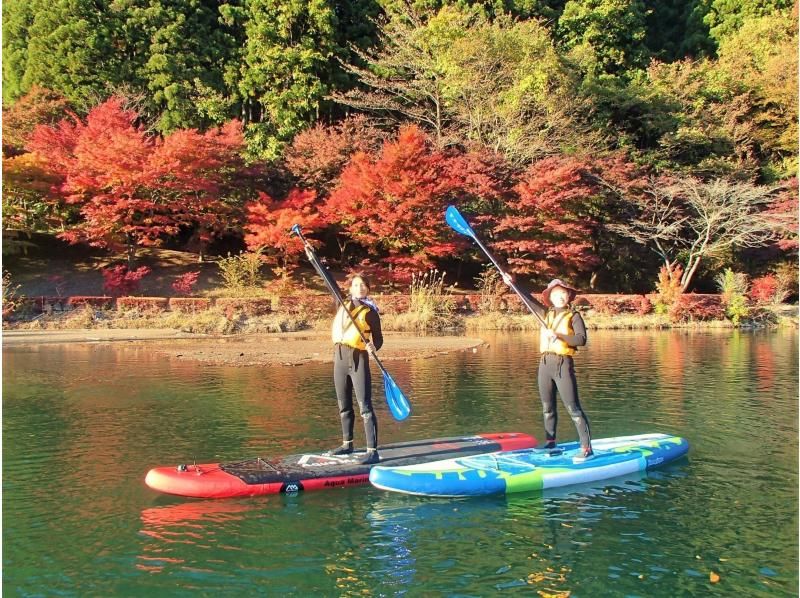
x=556, y=282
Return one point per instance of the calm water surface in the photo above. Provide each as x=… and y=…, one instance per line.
x=82, y=424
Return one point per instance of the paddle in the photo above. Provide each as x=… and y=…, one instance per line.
x=457, y=222
x=397, y=401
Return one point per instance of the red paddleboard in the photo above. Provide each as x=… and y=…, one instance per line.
x=318, y=471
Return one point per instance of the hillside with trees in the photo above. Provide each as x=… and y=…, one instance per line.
x=599, y=140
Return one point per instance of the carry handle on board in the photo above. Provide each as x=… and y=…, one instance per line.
x=457, y=222
x=397, y=401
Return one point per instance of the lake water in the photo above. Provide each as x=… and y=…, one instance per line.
x=83, y=423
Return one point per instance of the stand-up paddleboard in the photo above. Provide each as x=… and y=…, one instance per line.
x=317, y=471
x=530, y=469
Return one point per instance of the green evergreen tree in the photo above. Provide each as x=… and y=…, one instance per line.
x=182, y=52
x=174, y=58
x=18, y=17
x=548, y=10
x=675, y=29
x=605, y=36
x=291, y=61
x=727, y=16
x=64, y=45
x=287, y=54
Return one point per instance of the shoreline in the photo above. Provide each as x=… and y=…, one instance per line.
x=285, y=348
x=14, y=338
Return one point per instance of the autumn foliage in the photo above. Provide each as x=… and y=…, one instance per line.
x=764, y=289
x=317, y=156
x=668, y=287
x=546, y=228
x=184, y=284
x=484, y=184
x=132, y=188
x=107, y=180
x=269, y=223
x=393, y=203
x=785, y=208
x=120, y=280
x=29, y=199
x=37, y=107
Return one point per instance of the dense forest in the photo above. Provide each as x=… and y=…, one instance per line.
x=598, y=140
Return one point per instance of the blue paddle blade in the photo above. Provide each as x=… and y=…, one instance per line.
x=456, y=221
x=296, y=229
x=397, y=401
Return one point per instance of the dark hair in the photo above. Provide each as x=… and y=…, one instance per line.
x=355, y=275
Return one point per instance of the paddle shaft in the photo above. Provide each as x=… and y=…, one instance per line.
x=512, y=285
x=338, y=297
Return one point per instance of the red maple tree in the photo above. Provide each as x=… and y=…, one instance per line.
x=134, y=189
x=29, y=202
x=393, y=204
x=785, y=211
x=38, y=106
x=120, y=280
x=546, y=228
x=269, y=222
x=198, y=171
x=484, y=184
x=184, y=284
x=317, y=156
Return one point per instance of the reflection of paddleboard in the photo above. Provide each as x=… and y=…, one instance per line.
x=530, y=469
x=193, y=512
x=316, y=471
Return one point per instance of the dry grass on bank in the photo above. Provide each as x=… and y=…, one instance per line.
x=202, y=322
x=224, y=321
x=501, y=321
x=415, y=322
x=593, y=321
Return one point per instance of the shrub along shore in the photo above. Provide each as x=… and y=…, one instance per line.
x=409, y=313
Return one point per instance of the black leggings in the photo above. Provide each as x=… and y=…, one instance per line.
x=557, y=372
x=351, y=373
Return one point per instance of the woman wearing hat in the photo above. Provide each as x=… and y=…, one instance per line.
x=558, y=342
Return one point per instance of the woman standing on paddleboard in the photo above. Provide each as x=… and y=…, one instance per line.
x=558, y=342
x=351, y=366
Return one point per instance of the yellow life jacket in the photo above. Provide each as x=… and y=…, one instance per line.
x=560, y=323
x=343, y=331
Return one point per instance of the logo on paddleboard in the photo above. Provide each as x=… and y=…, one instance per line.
x=291, y=487
x=323, y=460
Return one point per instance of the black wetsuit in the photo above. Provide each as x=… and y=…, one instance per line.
x=351, y=374
x=557, y=373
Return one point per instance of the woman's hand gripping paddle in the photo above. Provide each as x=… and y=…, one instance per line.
x=397, y=401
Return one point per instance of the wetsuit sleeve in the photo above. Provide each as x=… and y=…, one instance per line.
x=527, y=297
x=374, y=321
x=579, y=338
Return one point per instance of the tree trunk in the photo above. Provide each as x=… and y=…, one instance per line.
x=131, y=252
x=688, y=274
x=342, y=249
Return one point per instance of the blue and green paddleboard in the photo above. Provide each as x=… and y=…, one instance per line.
x=531, y=469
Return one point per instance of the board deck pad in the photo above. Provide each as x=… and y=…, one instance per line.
x=315, y=471
x=531, y=469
